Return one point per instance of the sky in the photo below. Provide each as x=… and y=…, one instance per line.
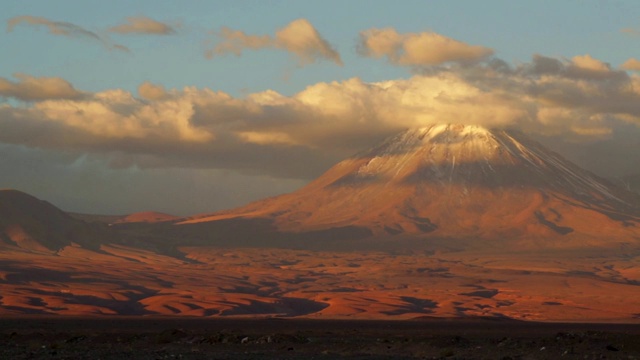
x=114, y=107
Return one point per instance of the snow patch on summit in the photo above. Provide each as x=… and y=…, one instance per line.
x=437, y=145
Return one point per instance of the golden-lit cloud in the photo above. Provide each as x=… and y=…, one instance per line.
x=266, y=138
x=143, y=25
x=116, y=115
x=417, y=49
x=302, y=39
x=61, y=28
x=298, y=136
x=589, y=63
x=299, y=38
x=151, y=91
x=29, y=88
x=631, y=64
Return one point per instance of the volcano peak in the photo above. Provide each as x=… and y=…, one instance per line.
x=437, y=144
x=472, y=155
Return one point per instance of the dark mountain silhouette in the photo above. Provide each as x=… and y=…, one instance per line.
x=32, y=224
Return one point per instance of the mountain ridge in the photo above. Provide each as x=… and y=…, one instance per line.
x=32, y=224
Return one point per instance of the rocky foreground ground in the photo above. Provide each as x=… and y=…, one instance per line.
x=171, y=338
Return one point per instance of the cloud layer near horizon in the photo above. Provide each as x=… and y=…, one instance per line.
x=581, y=99
x=298, y=37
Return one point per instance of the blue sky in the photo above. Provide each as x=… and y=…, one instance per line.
x=236, y=142
x=514, y=29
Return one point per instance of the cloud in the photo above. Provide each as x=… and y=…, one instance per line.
x=417, y=49
x=55, y=27
x=630, y=31
x=303, y=40
x=61, y=28
x=143, y=25
x=235, y=41
x=299, y=38
x=583, y=67
x=578, y=100
x=29, y=88
x=151, y=91
x=631, y=64
x=589, y=63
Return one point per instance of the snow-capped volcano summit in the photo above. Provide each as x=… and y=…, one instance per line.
x=471, y=155
x=456, y=181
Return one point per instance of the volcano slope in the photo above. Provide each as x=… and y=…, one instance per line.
x=450, y=187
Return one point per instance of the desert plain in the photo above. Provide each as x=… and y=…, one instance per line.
x=256, y=303
x=254, y=282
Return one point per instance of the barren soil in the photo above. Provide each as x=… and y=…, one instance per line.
x=188, y=338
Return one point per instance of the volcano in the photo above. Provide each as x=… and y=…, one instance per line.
x=456, y=182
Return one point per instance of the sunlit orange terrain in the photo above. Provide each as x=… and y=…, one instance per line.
x=286, y=283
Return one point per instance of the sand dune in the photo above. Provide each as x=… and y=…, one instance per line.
x=295, y=283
